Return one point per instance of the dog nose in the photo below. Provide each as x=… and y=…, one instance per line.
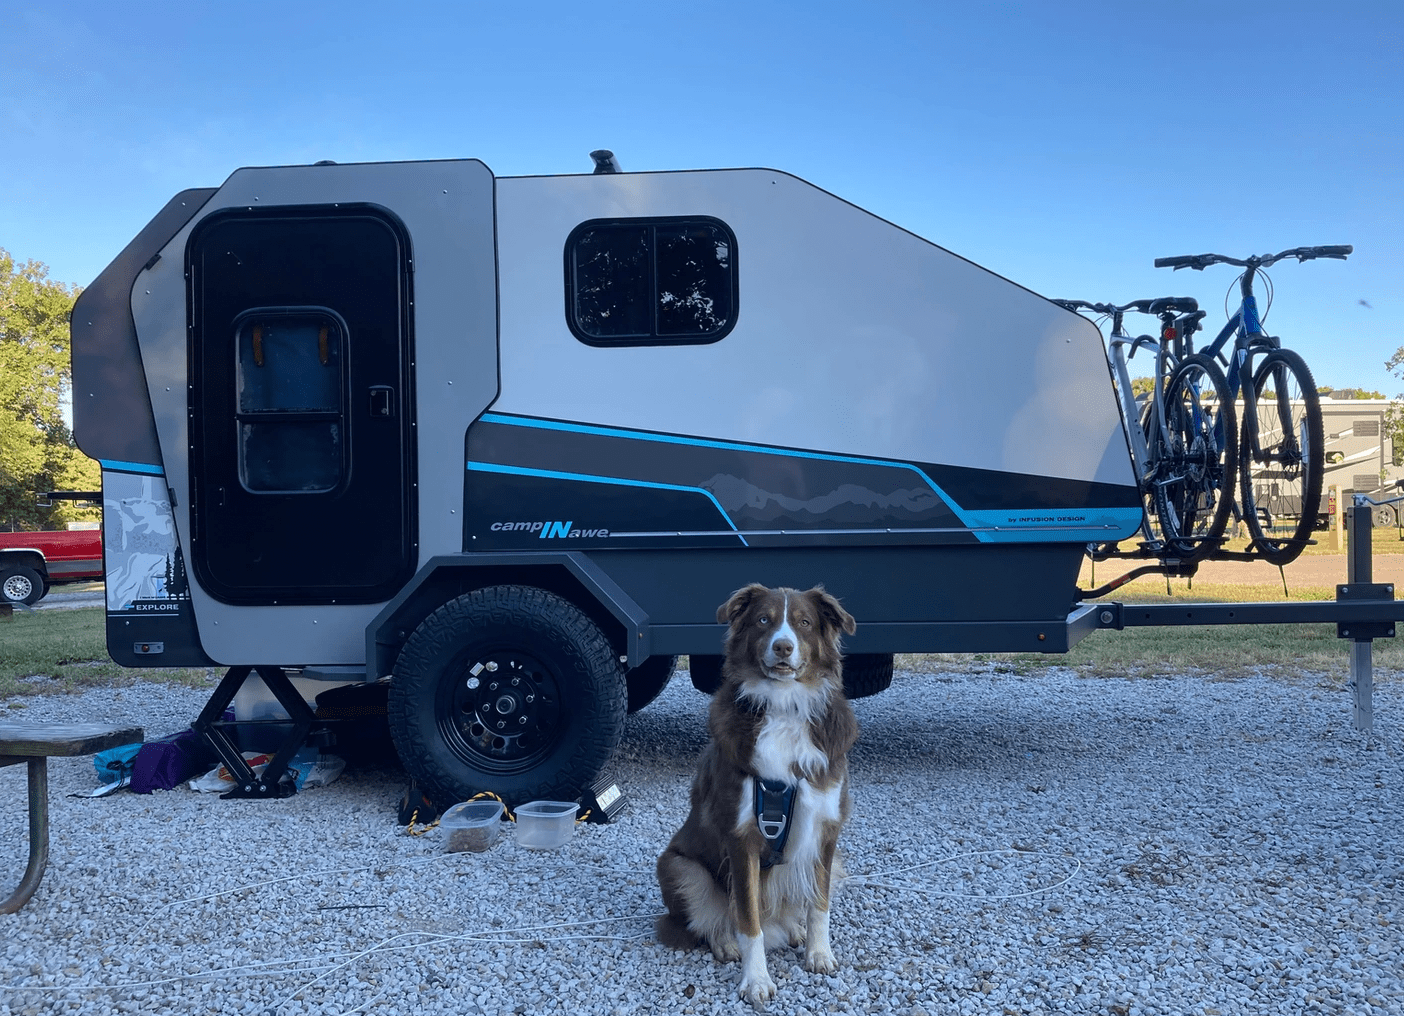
x=782, y=648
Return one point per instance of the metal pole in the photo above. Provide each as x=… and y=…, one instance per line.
x=38, y=835
x=1358, y=570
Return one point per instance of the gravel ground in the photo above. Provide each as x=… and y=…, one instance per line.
x=1020, y=845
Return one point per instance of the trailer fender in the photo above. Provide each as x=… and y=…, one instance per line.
x=570, y=575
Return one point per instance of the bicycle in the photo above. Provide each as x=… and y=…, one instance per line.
x=1183, y=440
x=1282, y=439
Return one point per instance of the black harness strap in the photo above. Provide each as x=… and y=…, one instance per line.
x=775, y=801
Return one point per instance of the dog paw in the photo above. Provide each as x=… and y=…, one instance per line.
x=796, y=935
x=820, y=961
x=757, y=988
x=726, y=950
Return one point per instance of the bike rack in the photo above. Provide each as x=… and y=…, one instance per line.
x=1362, y=611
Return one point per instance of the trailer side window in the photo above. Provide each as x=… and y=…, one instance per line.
x=289, y=411
x=650, y=281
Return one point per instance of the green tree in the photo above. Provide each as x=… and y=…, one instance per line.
x=1394, y=415
x=37, y=452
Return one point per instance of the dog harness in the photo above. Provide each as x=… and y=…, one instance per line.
x=775, y=801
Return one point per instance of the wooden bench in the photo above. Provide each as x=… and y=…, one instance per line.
x=34, y=743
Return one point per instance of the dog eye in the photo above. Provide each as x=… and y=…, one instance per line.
x=764, y=619
x=804, y=623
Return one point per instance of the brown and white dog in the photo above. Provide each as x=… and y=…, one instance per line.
x=779, y=717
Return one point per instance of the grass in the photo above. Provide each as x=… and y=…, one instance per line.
x=1219, y=652
x=1382, y=541
x=60, y=651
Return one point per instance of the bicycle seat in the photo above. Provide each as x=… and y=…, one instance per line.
x=1174, y=305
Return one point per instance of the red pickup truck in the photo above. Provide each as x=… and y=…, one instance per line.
x=31, y=562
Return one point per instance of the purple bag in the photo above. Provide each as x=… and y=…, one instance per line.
x=169, y=761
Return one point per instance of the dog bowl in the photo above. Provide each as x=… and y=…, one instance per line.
x=546, y=825
x=472, y=825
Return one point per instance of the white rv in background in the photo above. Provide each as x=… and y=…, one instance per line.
x=1360, y=457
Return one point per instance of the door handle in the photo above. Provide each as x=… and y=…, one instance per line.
x=382, y=402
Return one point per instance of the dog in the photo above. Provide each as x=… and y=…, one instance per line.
x=780, y=727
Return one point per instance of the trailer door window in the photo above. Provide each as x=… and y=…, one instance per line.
x=289, y=406
x=650, y=281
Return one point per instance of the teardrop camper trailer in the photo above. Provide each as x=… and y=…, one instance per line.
x=508, y=442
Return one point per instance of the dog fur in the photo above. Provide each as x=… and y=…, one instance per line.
x=780, y=714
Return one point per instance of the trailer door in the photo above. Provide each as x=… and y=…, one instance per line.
x=302, y=448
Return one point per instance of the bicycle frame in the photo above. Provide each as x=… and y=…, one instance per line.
x=1120, y=348
x=1245, y=327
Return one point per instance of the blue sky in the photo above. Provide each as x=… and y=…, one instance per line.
x=1063, y=145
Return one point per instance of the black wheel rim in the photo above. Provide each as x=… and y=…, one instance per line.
x=500, y=710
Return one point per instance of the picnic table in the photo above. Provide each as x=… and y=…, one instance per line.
x=34, y=743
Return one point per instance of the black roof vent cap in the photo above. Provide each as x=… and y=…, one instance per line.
x=605, y=162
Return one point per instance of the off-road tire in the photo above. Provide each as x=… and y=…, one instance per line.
x=866, y=674
x=647, y=680
x=445, y=715
x=20, y=583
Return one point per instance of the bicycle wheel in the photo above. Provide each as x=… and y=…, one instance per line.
x=1280, y=484
x=1196, y=460
x=1151, y=528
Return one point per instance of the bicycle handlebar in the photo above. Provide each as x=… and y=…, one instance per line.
x=1199, y=262
x=1141, y=306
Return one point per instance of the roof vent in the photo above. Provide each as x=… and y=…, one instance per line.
x=605, y=162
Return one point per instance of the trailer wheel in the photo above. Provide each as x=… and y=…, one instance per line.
x=647, y=680
x=20, y=583
x=1383, y=516
x=705, y=672
x=866, y=674
x=510, y=689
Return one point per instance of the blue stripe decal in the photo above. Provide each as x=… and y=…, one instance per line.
x=115, y=466
x=988, y=526
x=551, y=474
x=586, y=428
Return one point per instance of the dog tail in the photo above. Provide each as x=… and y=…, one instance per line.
x=673, y=932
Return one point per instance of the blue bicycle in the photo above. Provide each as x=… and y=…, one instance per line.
x=1280, y=452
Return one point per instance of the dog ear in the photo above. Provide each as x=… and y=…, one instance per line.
x=832, y=612
x=736, y=605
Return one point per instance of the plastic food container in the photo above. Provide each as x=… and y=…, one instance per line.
x=546, y=825
x=472, y=825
